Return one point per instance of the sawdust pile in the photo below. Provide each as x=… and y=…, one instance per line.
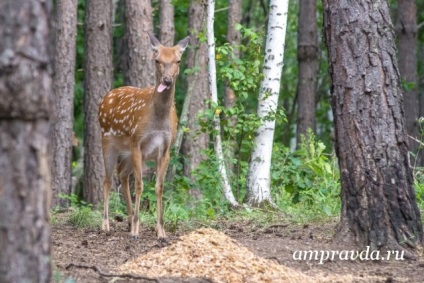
x=210, y=254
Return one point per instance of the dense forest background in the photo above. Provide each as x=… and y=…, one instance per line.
x=304, y=171
x=347, y=142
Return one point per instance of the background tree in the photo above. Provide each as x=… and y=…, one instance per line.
x=63, y=87
x=195, y=141
x=234, y=38
x=258, y=191
x=378, y=200
x=406, y=32
x=225, y=183
x=139, y=20
x=307, y=55
x=25, y=102
x=166, y=23
x=97, y=82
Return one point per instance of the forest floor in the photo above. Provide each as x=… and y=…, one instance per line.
x=108, y=251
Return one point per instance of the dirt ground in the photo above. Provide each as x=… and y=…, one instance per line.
x=107, y=251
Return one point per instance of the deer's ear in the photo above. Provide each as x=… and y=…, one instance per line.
x=154, y=41
x=182, y=44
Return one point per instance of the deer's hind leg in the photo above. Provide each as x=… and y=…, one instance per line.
x=138, y=176
x=110, y=158
x=124, y=171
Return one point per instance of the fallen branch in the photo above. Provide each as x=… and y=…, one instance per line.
x=104, y=274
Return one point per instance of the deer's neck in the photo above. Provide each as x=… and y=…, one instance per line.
x=163, y=102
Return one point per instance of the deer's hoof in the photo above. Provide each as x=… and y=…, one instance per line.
x=105, y=225
x=135, y=237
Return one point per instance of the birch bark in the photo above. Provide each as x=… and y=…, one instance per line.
x=228, y=193
x=258, y=183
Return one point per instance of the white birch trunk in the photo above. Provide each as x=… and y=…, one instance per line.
x=258, y=183
x=228, y=193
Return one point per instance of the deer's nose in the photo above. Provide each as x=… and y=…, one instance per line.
x=167, y=81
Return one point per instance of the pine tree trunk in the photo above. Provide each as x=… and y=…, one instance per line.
x=97, y=82
x=166, y=22
x=307, y=55
x=234, y=38
x=406, y=31
x=195, y=141
x=25, y=103
x=141, y=71
x=258, y=191
x=378, y=200
x=63, y=87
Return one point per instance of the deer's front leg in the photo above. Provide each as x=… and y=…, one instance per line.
x=138, y=176
x=161, y=168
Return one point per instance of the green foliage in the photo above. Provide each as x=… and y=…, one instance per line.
x=82, y=214
x=419, y=186
x=85, y=217
x=58, y=277
x=308, y=175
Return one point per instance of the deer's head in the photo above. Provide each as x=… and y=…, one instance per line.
x=167, y=61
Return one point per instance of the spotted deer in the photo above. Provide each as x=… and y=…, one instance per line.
x=137, y=125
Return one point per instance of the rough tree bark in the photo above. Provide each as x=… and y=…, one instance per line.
x=25, y=102
x=258, y=191
x=194, y=140
x=307, y=55
x=139, y=20
x=225, y=183
x=166, y=22
x=406, y=31
x=97, y=82
x=63, y=87
x=378, y=200
x=233, y=37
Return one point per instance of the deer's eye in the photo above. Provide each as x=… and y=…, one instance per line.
x=179, y=61
x=157, y=61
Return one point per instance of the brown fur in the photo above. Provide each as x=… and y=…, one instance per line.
x=140, y=124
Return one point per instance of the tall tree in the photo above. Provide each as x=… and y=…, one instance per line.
x=233, y=37
x=378, y=200
x=97, y=82
x=197, y=81
x=406, y=31
x=228, y=193
x=258, y=191
x=63, y=87
x=139, y=20
x=166, y=22
x=25, y=102
x=307, y=55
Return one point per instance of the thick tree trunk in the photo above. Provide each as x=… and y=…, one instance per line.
x=63, y=87
x=406, y=31
x=25, y=102
x=195, y=141
x=307, y=55
x=139, y=20
x=166, y=22
x=378, y=200
x=97, y=82
x=259, y=177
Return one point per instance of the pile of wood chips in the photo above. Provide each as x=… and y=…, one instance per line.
x=207, y=253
